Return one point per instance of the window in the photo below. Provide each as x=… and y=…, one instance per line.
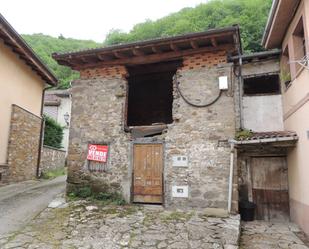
x=150, y=97
x=299, y=44
x=285, y=72
x=264, y=84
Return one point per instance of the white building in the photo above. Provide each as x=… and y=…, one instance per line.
x=57, y=105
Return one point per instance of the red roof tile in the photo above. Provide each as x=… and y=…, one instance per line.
x=270, y=134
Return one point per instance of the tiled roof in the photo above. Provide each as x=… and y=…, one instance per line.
x=270, y=135
x=51, y=99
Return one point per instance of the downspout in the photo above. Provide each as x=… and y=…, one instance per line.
x=41, y=131
x=240, y=80
x=229, y=205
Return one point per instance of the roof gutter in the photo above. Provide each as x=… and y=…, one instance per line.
x=269, y=21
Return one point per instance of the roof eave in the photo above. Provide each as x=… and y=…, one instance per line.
x=269, y=22
x=151, y=51
x=26, y=52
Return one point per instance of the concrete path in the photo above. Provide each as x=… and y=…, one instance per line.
x=268, y=235
x=21, y=202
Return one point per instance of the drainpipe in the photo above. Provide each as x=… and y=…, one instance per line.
x=41, y=131
x=229, y=205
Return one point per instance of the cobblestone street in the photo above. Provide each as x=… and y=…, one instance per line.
x=266, y=235
x=84, y=225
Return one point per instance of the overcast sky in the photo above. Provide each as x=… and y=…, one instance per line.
x=85, y=19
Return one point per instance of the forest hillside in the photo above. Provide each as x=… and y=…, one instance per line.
x=251, y=15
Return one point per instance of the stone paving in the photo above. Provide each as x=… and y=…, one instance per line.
x=81, y=224
x=267, y=235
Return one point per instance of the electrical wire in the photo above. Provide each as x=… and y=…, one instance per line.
x=195, y=105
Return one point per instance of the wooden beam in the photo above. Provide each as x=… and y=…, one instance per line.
x=194, y=44
x=153, y=58
x=214, y=42
x=156, y=50
x=104, y=57
x=137, y=52
x=119, y=55
x=83, y=59
x=174, y=47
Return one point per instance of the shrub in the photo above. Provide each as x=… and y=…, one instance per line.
x=53, y=133
x=243, y=134
x=105, y=197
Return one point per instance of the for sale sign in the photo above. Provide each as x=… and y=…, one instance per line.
x=97, y=152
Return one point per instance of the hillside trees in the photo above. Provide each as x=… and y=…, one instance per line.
x=251, y=15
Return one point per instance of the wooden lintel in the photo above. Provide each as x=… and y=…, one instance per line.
x=174, y=47
x=156, y=50
x=103, y=57
x=153, y=58
x=119, y=55
x=194, y=44
x=214, y=42
x=137, y=52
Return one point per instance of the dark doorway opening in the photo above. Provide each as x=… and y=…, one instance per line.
x=150, y=97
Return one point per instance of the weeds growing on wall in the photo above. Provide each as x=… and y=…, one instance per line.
x=104, y=197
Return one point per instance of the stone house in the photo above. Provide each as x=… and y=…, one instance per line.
x=287, y=29
x=23, y=78
x=154, y=119
x=57, y=105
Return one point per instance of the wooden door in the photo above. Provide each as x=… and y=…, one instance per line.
x=270, y=188
x=148, y=173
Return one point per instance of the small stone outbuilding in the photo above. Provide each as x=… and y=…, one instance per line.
x=161, y=112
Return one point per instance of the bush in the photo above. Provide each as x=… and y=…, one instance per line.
x=105, y=197
x=53, y=173
x=53, y=133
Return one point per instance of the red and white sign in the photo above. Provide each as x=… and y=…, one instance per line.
x=97, y=152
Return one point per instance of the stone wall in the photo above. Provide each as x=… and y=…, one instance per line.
x=51, y=159
x=98, y=105
x=202, y=135
x=23, y=145
x=97, y=117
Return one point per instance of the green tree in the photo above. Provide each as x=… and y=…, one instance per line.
x=53, y=133
x=45, y=45
x=251, y=15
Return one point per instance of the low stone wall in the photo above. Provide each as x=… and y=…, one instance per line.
x=23, y=145
x=51, y=159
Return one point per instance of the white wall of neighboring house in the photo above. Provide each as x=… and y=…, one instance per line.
x=63, y=108
x=263, y=113
x=58, y=113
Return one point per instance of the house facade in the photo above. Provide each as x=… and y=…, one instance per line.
x=261, y=148
x=152, y=119
x=23, y=78
x=288, y=29
x=57, y=105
